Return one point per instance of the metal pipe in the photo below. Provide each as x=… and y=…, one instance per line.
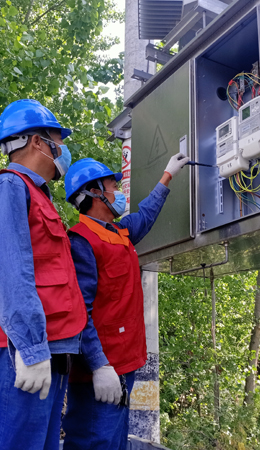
x=202, y=266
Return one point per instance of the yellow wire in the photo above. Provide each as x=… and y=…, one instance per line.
x=244, y=203
x=249, y=75
x=237, y=194
x=252, y=176
x=232, y=99
x=242, y=184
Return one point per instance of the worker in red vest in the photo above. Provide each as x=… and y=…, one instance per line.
x=42, y=311
x=113, y=344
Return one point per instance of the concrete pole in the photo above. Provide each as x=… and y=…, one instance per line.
x=144, y=406
x=134, y=50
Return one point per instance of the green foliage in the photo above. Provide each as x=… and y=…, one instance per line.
x=187, y=360
x=3, y=161
x=49, y=52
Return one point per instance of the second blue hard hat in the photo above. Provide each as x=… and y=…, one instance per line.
x=27, y=114
x=84, y=171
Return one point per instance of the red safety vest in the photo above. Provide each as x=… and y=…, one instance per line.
x=118, y=306
x=55, y=275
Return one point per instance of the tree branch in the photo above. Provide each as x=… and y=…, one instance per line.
x=29, y=11
x=50, y=9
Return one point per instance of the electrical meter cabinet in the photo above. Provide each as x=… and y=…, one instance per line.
x=249, y=129
x=229, y=158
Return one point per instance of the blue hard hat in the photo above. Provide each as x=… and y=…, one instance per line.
x=27, y=114
x=83, y=171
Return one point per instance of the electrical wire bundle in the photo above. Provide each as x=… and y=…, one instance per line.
x=242, y=185
x=241, y=82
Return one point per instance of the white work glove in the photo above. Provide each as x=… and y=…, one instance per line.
x=36, y=377
x=107, y=385
x=176, y=163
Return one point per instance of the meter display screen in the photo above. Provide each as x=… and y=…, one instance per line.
x=246, y=113
x=223, y=131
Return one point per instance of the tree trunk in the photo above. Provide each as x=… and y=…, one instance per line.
x=254, y=346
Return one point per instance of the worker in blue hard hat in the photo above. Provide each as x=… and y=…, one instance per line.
x=113, y=344
x=42, y=311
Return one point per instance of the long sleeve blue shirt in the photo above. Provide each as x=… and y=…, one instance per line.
x=21, y=313
x=138, y=225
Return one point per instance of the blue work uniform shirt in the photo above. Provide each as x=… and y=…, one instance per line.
x=138, y=225
x=21, y=313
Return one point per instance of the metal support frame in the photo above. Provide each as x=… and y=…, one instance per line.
x=210, y=7
x=121, y=126
x=140, y=75
x=122, y=134
x=202, y=266
x=157, y=55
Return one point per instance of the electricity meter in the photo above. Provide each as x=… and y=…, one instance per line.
x=249, y=129
x=229, y=157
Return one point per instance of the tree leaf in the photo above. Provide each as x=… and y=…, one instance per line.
x=13, y=11
x=17, y=71
x=17, y=45
x=104, y=89
x=27, y=37
x=45, y=63
x=42, y=35
x=13, y=87
x=39, y=53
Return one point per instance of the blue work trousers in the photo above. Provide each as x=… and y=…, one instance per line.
x=26, y=422
x=92, y=425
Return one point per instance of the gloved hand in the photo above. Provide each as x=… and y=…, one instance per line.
x=36, y=377
x=107, y=385
x=176, y=163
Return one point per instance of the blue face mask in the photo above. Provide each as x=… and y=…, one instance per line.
x=120, y=202
x=64, y=160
